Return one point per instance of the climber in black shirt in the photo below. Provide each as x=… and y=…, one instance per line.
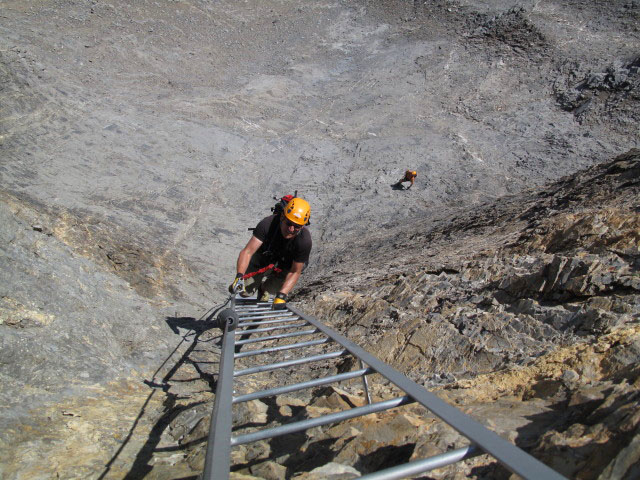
x=278, y=251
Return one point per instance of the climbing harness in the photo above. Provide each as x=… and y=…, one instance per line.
x=249, y=317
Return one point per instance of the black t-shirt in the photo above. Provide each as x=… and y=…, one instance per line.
x=276, y=249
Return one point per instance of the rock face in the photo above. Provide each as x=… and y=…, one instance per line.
x=65, y=323
x=545, y=269
x=140, y=140
x=541, y=289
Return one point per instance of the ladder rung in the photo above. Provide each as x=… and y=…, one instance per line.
x=242, y=301
x=275, y=337
x=269, y=329
x=266, y=307
x=290, y=363
x=323, y=420
x=420, y=466
x=283, y=347
x=303, y=385
x=266, y=315
x=268, y=322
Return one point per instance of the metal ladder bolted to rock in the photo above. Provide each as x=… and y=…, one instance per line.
x=250, y=317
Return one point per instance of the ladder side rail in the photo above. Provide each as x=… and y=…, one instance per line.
x=281, y=348
x=303, y=385
x=271, y=329
x=276, y=337
x=319, y=421
x=506, y=453
x=426, y=464
x=290, y=363
x=217, y=461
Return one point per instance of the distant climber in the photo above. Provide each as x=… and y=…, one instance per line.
x=275, y=255
x=409, y=176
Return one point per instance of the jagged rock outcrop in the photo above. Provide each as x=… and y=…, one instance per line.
x=604, y=96
x=556, y=266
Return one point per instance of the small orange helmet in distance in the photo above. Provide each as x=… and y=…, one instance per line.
x=298, y=211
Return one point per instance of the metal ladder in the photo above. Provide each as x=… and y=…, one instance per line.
x=250, y=317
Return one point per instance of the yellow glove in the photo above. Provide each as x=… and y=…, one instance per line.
x=280, y=302
x=238, y=284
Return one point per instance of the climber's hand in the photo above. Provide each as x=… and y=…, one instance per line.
x=280, y=302
x=238, y=284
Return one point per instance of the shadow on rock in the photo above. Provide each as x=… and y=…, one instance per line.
x=557, y=437
x=591, y=436
x=189, y=323
x=385, y=457
x=192, y=330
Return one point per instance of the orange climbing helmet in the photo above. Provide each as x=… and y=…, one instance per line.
x=298, y=211
x=410, y=174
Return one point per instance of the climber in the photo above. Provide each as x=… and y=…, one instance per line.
x=409, y=176
x=275, y=255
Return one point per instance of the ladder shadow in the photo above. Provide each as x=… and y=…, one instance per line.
x=385, y=457
x=282, y=446
x=140, y=466
x=194, y=328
